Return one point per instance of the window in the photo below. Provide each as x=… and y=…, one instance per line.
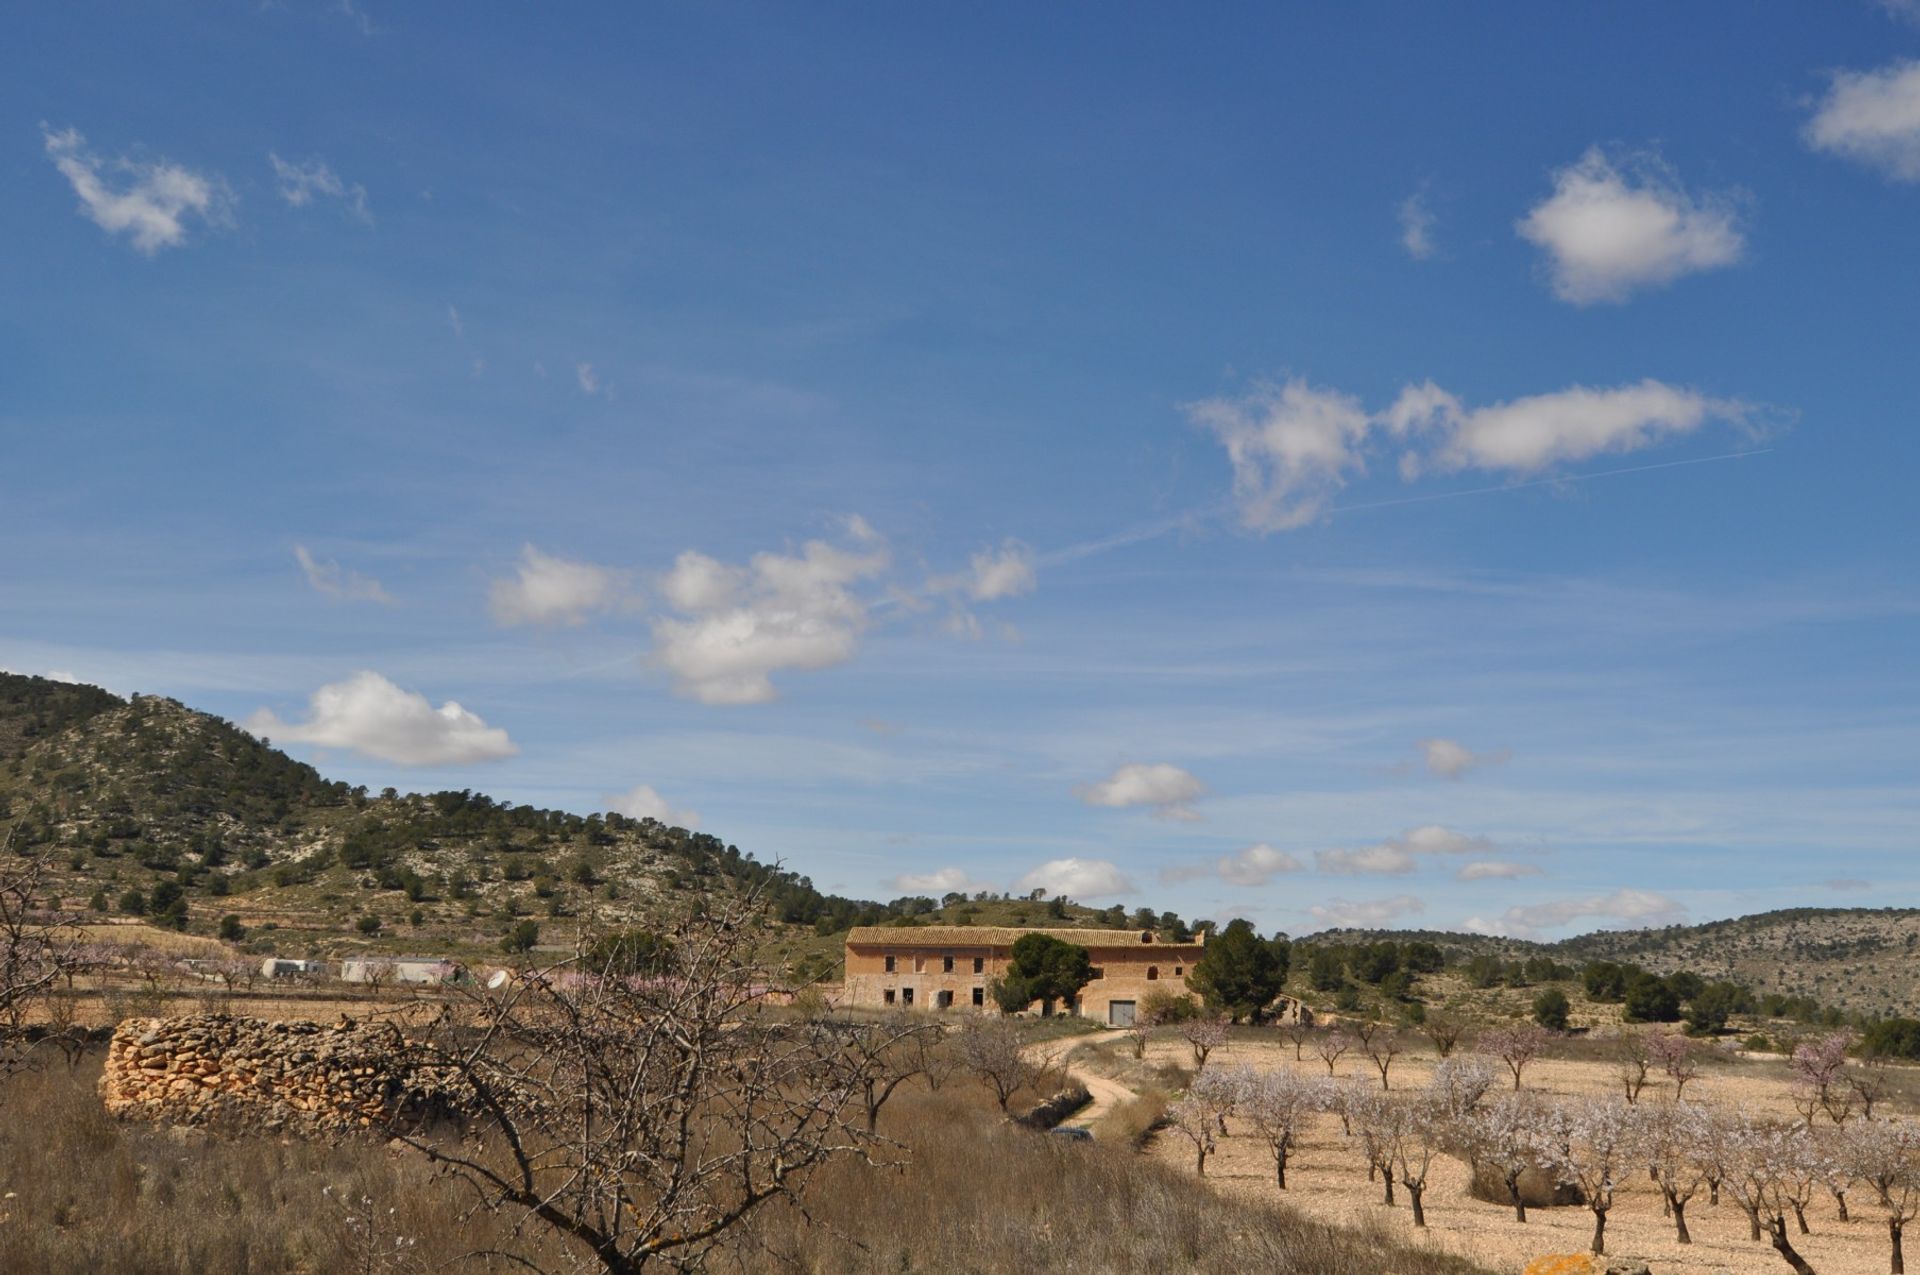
x=944, y=1000
x=979, y=996
x=889, y=965
x=919, y=964
x=946, y=965
x=1099, y=972
x=979, y=964
x=906, y=996
x=887, y=996
x=1146, y=936
x=1153, y=972
x=1178, y=972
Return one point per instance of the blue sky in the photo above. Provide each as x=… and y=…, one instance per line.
x=1405, y=465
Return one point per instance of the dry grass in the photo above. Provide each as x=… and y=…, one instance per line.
x=972, y=1194
x=172, y=942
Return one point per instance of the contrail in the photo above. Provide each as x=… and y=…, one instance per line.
x=1208, y=513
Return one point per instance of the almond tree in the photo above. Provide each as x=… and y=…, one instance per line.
x=1369, y=1118
x=1886, y=1156
x=1503, y=1138
x=38, y=950
x=1203, y=1036
x=1277, y=1104
x=1589, y=1143
x=1837, y=1171
x=1675, y=1055
x=1418, y=1129
x=1195, y=1119
x=1297, y=1030
x=1460, y=1085
x=1674, y=1140
x=1516, y=1046
x=1819, y=1068
x=1331, y=1045
x=1767, y=1163
x=1219, y=1090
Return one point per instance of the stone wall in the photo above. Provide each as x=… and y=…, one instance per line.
x=282, y=1077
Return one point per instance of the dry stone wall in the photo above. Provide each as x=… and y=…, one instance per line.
x=283, y=1077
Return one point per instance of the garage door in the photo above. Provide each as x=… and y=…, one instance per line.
x=1119, y=1013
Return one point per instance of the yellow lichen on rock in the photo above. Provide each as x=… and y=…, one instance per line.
x=1565, y=1264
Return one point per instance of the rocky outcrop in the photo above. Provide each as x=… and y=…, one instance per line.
x=281, y=1077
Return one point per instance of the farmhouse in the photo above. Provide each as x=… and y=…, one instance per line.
x=948, y=967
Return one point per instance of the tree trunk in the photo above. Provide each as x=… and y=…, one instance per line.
x=1599, y=1232
x=1200, y=1164
x=1413, y=1196
x=1840, y=1199
x=1899, y=1266
x=1800, y=1219
x=1753, y=1224
x=1519, y=1205
x=1386, y=1180
x=1777, y=1228
x=1713, y=1193
x=1679, y=1207
x=1280, y=1166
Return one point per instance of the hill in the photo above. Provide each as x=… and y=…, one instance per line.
x=149, y=811
x=1858, y=960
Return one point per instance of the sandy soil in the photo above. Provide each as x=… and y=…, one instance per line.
x=1327, y=1178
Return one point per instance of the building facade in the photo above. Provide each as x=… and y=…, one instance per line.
x=948, y=968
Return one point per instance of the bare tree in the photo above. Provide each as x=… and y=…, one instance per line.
x=992, y=1049
x=643, y=1119
x=1298, y=1030
x=38, y=949
x=1331, y=1045
x=1369, y=1119
x=1382, y=1046
x=885, y=1055
x=1632, y=1060
x=1443, y=1032
x=1764, y=1163
x=1516, y=1046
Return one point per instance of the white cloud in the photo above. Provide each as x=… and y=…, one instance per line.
x=371, y=715
x=1873, y=117
x=1640, y=908
x=299, y=183
x=1077, y=879
x=336, y=581
x=1292, y=447
x=545, y=589
x=1530, y=434
x=1496, y=870
x=1003, y=573
x=1165, y=788
x=1365, y=914
x=588, y=379
x=62, y=675
x=1416, y=227
x=1607, y=233
x=154, y=201
x=740, y=624
x=642, y=802
x=454, y=322
x=1398, y=855
x=1256, y=865
x=939, y=882
x=1450, y=759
